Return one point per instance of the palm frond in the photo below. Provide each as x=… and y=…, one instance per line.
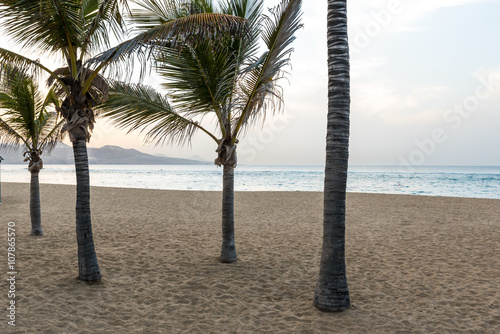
x=50, y=122
x=153, y=13
x=17, y=105
x=12, y=59
x=53, y=133
x=10, y=139
x=19, y=102
x=244, y=49
x=101, y=17
x=140, y=107
x=259, y=86
x=200, y=6
x=174, y=34
x=200, y=78
x=43, y=25
x=51, y=99
x=24, y=118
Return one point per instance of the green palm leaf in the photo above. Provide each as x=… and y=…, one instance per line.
x=140, y=107
x=174, y=34
x=203, y=76
x=222, y=76
x=25, y=116
x=200, y=77
x=10, y=139
x=52, y=134
x=153, y=13
x=19, y=100
x=101, y=17
x=43, y=25
x=13, y=59
x=259, y=86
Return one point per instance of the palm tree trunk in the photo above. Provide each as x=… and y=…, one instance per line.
x=36, y=217
x=332, y=293
x=88, y=268
x=228, y=252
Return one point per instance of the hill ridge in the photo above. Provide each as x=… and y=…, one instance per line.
x=105, y=155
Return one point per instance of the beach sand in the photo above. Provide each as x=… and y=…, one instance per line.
x=415, y=264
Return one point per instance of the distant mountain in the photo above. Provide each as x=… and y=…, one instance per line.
x=106, y=155
x=198, y=158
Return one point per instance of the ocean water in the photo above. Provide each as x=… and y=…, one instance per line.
x=478, y=182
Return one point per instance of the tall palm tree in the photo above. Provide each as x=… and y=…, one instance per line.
x=74, y=30
x=26, y=120
x=227, y=80
x=332, y=293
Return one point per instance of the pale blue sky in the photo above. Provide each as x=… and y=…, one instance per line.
x=422, y=67
x=413, y=64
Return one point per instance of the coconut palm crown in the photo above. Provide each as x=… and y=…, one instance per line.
x=28, y=120
x=231, y=81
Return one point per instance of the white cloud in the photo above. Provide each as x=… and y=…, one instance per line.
x=427, y=92
x=426, y=116
x=396, y=104
x=413, y=11
x=378, y=17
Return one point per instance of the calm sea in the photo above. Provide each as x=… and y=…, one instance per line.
x=479, y=182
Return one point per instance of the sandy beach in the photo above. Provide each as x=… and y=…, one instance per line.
x=415, y=264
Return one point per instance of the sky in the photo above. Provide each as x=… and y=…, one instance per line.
x=425, y=90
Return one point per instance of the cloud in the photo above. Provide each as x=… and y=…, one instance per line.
x=396, y=104
x=381, y=16
x=413, y=11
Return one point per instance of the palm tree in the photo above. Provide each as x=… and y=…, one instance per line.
x=70, y=29
x=75, y=30
x=26, y=120
x=226, y=80
x=332, y=293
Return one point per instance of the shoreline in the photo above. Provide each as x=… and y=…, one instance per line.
x=415, y=264
x=259, y=191
x=480, y=182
